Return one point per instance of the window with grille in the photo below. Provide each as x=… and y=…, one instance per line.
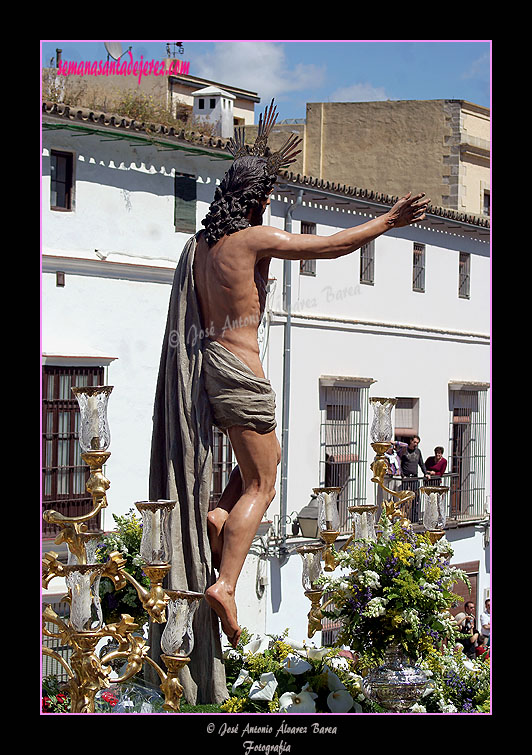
x=343, y=445
x=223, y=462
x=467, y=450
x=418, y=271
x=185, y=203
x=64, y=471
x=367, y=263
x=308, y=267
x=61, y=180
x=464, y=275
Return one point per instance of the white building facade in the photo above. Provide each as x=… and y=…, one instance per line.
x=407, y=317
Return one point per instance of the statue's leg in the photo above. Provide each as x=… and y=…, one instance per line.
x=258, y=456
x=217, y=516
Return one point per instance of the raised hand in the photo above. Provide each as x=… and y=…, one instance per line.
x=407, y=210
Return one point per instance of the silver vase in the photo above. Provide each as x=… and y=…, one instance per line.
x=397, y=684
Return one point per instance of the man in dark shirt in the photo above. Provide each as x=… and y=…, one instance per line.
x=411, y=459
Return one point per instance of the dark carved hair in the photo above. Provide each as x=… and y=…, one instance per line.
x=246, y=184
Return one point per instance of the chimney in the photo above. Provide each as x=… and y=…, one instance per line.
x=58, y=57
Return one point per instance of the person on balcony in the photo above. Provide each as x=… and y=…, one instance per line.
x=411, y=459
x=436, y=466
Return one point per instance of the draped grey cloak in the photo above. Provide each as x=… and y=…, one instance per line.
x=181, y=469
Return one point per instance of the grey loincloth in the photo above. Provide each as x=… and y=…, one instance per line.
x=236, y=395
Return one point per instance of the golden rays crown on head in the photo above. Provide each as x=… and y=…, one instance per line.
x=276, y=160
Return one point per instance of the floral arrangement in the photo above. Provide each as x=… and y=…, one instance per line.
x=396, y=590
x=456, y=683
x=54, y=700
x=126, y=697
x=278, y=674
x=125, y=539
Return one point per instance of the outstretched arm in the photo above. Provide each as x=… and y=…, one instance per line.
x=273, y=242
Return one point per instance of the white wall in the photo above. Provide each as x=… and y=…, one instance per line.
x=124, y=209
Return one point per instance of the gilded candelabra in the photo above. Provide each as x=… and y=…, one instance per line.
x=363, y=515
x=82, y=631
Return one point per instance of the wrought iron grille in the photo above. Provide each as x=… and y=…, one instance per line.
x=64, y=471
x=343, y=445
x=467, y=444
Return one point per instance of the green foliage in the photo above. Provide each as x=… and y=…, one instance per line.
x=126, y=539
x=457, y=684
x=395, y=590
x=295, y=675
x=54, y=698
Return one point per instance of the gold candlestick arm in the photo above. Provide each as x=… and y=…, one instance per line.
x=315, y=614
x=115, y=571
x=154, y=600
x=51, y=568
x=171, y=686
x=132, y=647
x=329, y=536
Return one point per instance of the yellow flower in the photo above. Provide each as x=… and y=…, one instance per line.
x=273, y=705
x=432, y=574
x=233, y=705
x=282, y=649
x=396, y=619
x=402, y=552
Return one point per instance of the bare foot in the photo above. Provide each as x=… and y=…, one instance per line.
x=223, y=604
x=215, y=523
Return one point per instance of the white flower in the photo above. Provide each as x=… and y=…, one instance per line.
x=333, y=681
x=256, y=646
x=375, y=607
x=264, y=688
x=447, y=707
x=317, y=654
x=443, y=546
x=295, y=644
x=231, y=653
x=340, y=701
x=338, y=662
x=294, y=664
x=241, y=678
x=412, y=617
x=369, y=578
x=357, y=681
x=303, y=702
x=417, y=708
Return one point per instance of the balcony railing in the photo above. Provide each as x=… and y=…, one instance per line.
x=465, y=501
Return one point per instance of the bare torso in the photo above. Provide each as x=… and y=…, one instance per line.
x=230, y=285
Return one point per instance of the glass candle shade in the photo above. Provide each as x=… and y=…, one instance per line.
x=88, y=543
x=155, y=546
x=178, y=636
x=311, y=555
x=434, y=507
x=328, y=517
x=363, y=518
x=83, y=583
x=94, y=432
x=381, y=427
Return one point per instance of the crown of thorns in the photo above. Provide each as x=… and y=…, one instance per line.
x=276, y=160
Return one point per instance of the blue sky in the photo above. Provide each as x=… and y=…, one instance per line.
x=297, y=72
